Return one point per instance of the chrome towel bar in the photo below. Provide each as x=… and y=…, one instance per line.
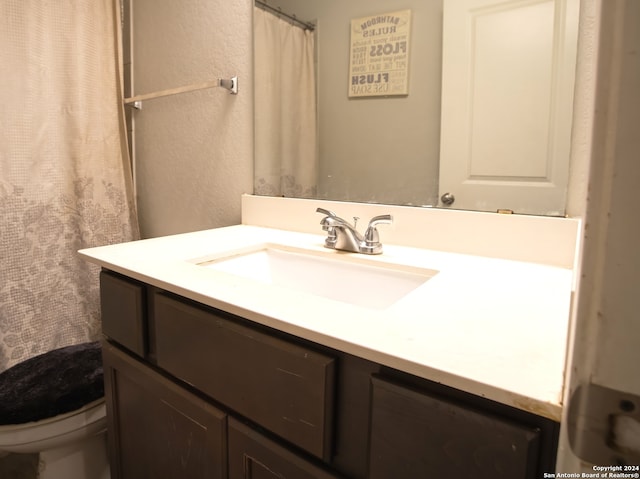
x=230, y=84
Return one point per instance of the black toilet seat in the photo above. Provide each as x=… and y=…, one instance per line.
x=53, y=383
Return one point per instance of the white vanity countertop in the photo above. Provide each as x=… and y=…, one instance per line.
x=492, y=327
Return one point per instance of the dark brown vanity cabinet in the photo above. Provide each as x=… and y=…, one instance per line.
x=123, y=307
x=194, y=392
x=286, y=388
x=253, y=456
x=158, y=429
x=415, y=434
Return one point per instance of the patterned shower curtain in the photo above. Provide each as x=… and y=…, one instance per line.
x=286, y=157
x=65, y=180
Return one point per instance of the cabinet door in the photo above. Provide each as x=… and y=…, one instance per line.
x=253, y=456
x=156, y=429
x=417, y=435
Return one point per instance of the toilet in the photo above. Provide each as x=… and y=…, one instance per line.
x=53, y=405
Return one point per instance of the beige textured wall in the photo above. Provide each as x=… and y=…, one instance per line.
x=193, y=151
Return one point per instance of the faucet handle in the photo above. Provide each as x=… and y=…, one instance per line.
x=332, y=236
x=325, y=222
x=325, y=212
x=380, y=220
x=371, y=236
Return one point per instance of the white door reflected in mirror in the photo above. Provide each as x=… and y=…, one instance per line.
x=507, y=104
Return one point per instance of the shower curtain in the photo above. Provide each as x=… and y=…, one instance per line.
x=285, y=113
x=65, y=180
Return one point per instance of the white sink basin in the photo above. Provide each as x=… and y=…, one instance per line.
x=350, y=278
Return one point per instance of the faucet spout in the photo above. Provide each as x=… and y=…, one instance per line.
x=347, y=237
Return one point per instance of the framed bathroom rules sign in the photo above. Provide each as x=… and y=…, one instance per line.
x=379, y=55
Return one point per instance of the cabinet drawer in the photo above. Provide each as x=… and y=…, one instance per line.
x=417, y=435
x=122, y=304
x=252, y=456
x=284, y=387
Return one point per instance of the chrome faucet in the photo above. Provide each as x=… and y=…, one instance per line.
x=344, y=236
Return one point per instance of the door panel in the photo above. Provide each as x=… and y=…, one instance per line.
x=507, y=103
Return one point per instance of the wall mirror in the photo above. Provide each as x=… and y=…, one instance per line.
x=483, y=125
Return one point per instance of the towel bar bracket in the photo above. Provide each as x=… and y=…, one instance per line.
x=231, y=84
